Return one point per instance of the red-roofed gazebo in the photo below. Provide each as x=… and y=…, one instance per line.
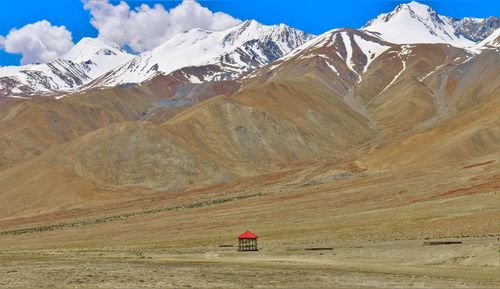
x=247, y=242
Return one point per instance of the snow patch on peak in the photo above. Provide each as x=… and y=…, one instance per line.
x=370, y=48
x=348, y=47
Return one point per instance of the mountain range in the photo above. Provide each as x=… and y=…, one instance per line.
x=87, y=60
x=340, y=126
x=203, y=56
x=96, y=63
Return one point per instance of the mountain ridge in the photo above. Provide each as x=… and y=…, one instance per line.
x=248, y=45
x=223, y=55
x=88, y=59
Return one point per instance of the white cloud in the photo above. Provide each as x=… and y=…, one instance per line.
x=146, y=27
x=37, y=42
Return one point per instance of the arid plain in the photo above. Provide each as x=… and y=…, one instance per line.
x=374, y=222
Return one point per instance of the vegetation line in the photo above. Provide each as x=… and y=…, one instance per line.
x=126, y=216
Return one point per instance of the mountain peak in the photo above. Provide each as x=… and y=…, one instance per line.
x=414, y=22
x=88, y=47
x=94, y=41
x=418, y=10
x=417, y=7
x=249, y=22
x=412, y=9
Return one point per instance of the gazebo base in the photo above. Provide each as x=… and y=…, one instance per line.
x=247, y=245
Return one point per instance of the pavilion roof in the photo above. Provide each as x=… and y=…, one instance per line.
x=248, y=235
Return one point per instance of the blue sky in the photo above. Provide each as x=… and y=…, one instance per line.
x=312, y=16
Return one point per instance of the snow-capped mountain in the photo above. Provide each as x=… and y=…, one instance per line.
x=418, y=23
x=217, y=55
x=200, y=56
x=87, y=60
x=98, y=56
x=345, y=54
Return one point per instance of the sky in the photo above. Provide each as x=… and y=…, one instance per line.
x=38, y=31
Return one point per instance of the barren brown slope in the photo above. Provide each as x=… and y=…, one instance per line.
x=184, y=95
x=307, y=103
x=274, y=120
x=472, y=84
x=30, y=127
x=393, y=88
x=468, y=127
x=127, y=157
x=243, y=138
x=294, y=209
